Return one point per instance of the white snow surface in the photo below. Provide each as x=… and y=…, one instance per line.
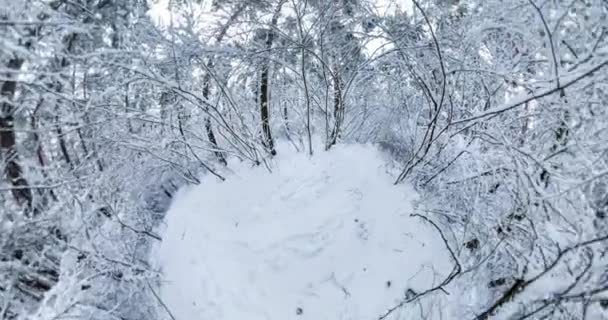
x=321, y=237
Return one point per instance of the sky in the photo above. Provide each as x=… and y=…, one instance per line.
x=159, y=11
x=159, y=8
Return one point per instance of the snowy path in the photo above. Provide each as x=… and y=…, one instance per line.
x=322, y=238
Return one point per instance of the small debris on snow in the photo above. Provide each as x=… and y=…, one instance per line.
x=472, y=244
x=497, y=282
x=410, y=294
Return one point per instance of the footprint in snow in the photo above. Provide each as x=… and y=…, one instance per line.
x=356, y=193
x=362, y=231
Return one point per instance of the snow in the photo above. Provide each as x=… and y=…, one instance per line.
x=322, y=237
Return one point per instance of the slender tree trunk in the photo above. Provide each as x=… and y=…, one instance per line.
x=208, y=128
x=287, y=130
x=63, y=146
x=266, y=132
x=338, y=110
x=128, y=109
x=264, y=90
x=304, y=80
x=211, y=136
x=81, y=134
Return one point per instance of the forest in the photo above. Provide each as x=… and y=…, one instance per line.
x=494, y=113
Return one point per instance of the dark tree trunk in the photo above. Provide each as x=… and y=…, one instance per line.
x=62, y=144
x=211, y=136
x=12, y=170
x=338, y=111
x=208, y=128
x=264, y=90
x=266, y=133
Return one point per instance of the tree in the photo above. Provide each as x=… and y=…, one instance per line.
x=494, y=109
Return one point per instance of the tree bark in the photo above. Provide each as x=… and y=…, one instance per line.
x=12, y=170
x=208, y=128
x=264, y=90
x=338, y=110
x=266, y=132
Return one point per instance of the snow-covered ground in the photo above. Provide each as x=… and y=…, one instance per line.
x=327, y=237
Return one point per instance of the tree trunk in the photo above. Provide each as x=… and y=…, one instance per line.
x=264, y=90
x=62, y=145
x=338, y=110
x=12, y=170
x=266, y=133
x=208, y=128
x=69, y=42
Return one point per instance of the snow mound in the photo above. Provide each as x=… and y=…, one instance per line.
x=327, y=237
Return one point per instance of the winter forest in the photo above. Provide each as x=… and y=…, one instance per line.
x=303, y=159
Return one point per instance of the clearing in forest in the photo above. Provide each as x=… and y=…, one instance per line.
x=327, y=237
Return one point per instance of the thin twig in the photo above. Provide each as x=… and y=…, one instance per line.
x=160, y=301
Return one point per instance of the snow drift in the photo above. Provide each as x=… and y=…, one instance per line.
x=322, y=237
